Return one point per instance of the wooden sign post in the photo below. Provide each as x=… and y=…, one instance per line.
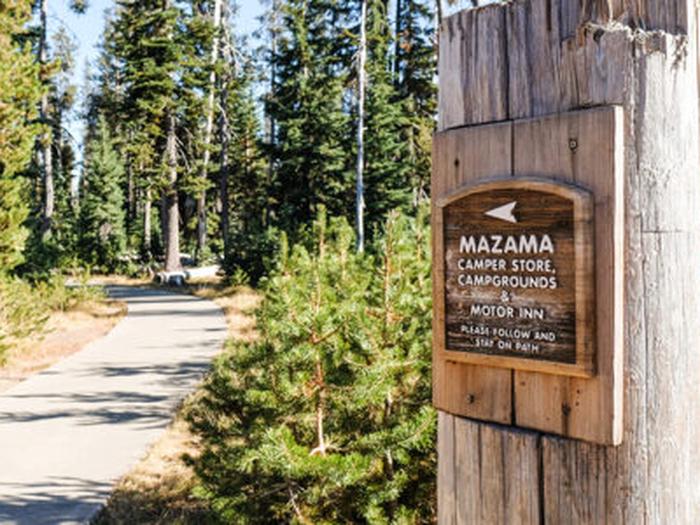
x=566, y=263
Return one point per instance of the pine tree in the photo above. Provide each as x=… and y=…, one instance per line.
x=388, y=167
x=46, y=142
x=20, y=92
x=313, y=145
x=60, y=247
x=246, y=200
x=215, y=22
x=102, y=231
x=150, y=52
x=326, y=418
x=105, y=100
x=200, y=36
x=416, y=67
x=360, y=170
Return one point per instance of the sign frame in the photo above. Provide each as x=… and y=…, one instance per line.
x=584, y=260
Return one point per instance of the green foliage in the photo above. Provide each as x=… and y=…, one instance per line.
x=252, y=253
x=415, y=70
x=20, y=91
x=20, y=312
x=326, y=418
x=147, y=54
x=276, y=171
x=251, y=244
x=312, y=150
x=79, y=6
x=388, y=170
x=103, y=236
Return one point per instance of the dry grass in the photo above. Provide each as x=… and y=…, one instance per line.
x=119, y=280
x=65, y=333
x=237, y=302
x=158, y=490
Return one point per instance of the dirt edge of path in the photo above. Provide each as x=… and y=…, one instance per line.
x=65, y=334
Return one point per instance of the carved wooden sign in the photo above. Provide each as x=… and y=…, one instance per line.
x=518, y=276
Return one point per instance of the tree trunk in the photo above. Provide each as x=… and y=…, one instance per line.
x=172, y=233
x=208, y=130
x=274, y=34
x=397, y=44
x=530, y=58
x=130, y=192
x=360, y=184
x=47, y=137
x=223, y=178
x=147, y=228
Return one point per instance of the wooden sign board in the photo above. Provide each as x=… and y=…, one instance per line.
x=562, y=176
x=518, y=276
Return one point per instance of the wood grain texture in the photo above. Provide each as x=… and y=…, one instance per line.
x=641, y=54
x=671, y=16
x=572, y=495
x=585, y=148
x=446, y=469
x=508, y=494
x=485, y=66
x=558, y=67
x=460, y=157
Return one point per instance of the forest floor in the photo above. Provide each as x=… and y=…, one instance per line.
x=64, y=334
x=158, y=489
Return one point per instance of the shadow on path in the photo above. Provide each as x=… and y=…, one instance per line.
x=67, y=434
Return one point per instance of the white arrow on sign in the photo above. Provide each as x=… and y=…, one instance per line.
x=504, y=213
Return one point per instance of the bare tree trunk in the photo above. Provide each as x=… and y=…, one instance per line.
x=172, y=233
x=163, y=217
x=147, y=228
x=223, y=177
x=131, y=191
x=524, y=59
x=208, y=130
x=47, y=137
x=360, y=185
x=274, y=35
x=397, y=43
x=227, y=53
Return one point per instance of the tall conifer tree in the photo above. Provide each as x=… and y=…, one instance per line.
x=416, y=67
x=103, y=236
x=46, y=142
x=312, y=153
x=149, y=49
x=214, y=16
x=20, y=91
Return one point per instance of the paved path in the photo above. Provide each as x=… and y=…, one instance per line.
x=67, y=434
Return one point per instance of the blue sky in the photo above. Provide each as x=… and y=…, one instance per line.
x=88, y=27
x=86, y=30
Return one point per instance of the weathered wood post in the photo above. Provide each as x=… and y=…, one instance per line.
x=595, y=100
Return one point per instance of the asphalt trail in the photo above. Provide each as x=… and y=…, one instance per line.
x=69, y=433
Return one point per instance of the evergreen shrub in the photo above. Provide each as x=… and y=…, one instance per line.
x=326, y=417
x=252, y=254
